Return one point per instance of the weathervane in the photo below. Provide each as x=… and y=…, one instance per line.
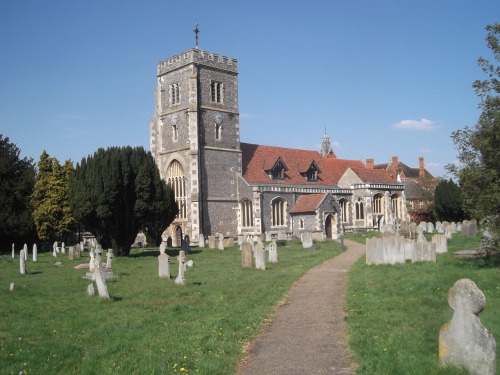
x=196, y=32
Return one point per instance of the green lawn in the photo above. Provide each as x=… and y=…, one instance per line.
x=150, y=325
x=395, y=311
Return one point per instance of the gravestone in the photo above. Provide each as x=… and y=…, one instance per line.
x=464, y=342
x=412, y=228
x=201, y=241
x=453, y=227
x=78, y=250
x=35, y=253
x=109, y=256
x=421, y=238
x=273, y=252
x=441, y=243
x=13, y=251
x=473, y=228
x=186, y=246
x=447, y=232
x=181, y=259
x=306, y=240
x=54, y=249
x=246, y=254
x=459, y=227
x=22, y=263
x=25, y=248
x=90, y=290
x=164, y=265
x=63, y=248
x=260, y=257
x=71, y=253
x=424, y=252
x=92, y=260
x=221, y=242
x=430, y=227
x=12, y=287
x=466, y=228
x=102, y=288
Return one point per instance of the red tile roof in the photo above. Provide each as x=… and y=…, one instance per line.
x=254, y=158
x=307, y=203
x=377, y=176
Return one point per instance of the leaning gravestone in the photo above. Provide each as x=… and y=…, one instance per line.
x=273, y=252
x=102, y=288
x=22, y=263
x=246, y=254
x=164, y=265
x=260, y=257
x=464, y=342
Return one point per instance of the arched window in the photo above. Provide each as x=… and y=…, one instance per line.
x=378, y=206
x=278, y=209
x=396, y=205
x=246, y=213
x=177, y=180
x=174, y=133
x=360, y=211
x=218, y=132
x=344, y=206
x=301, y=223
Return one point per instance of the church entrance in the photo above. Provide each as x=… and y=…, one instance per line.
x=331, y=226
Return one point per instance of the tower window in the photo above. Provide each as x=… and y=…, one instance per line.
x=174, y=133
x=216, y=89
x=175, y=97
x=218, y=132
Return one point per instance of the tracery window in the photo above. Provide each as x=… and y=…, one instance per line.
x=278, y=210
x=177, y=180
x=246, y=213
x=175, y=97
x=360, y=211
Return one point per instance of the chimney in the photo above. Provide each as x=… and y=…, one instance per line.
x=395, y=162
x=421, y=168
x=369, y=163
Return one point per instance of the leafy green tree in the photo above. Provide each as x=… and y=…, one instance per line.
x=448, y=201
x=17, y=178
x=479, y=147
x=52, y=213
x=117, y=192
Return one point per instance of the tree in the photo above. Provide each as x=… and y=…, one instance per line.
x=479, y=147
x=17, y=178
x=448, y=201
x=52, y=213
x=117, y=192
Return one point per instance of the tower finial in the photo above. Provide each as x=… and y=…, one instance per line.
x=196, y=32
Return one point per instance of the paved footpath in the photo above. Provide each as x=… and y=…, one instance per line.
x=307, y=334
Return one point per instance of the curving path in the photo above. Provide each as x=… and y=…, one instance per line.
x=307, y=334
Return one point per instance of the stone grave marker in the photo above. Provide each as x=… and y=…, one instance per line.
x=260, y=257
x=22, y=263
x=453, y=227
x=441, y=243
x=273, y=252
x=181, y=259
x=307, y=240
x=430, y=227
x=25, y=248
x=90, y=290
x=421, y=238
x=459, y=227
x=466, y=228
x=12, y=287
x=71, y=253
x=221, y=242
x=102, y=288
x=109, y=257
x=464, y=342
x=63, y=248
x=35, y=253
x=92, y=260
x=201, y=241
x=164, y=265
x=13, y=251
x=246, y=254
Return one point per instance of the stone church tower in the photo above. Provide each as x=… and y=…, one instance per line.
x=195, y=140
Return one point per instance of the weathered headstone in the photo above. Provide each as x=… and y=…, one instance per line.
x=421, y=238
x=90, y=290
x=459, y=227
x=22, y=263
x=92, y=260
x=246, y=254
x=63, y=248
x=260, y=257
x=102, y=288
x=109, y=256
x=464, y=342
x=273, y=252
x=35, y=253
x=424, y=252
x=201, y=241
x=186, y=246
x=466, y=228
x=164, y=265
x=453, y=227
x=441, y=243
x=25, y=248
x=12, y=287
x=307, y=240
x=221, y=242
x=430, y=227
x=71, y=253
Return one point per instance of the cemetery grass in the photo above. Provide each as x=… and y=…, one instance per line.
x=49, y=325
x=395, y=312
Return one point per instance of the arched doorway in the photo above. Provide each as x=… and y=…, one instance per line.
x=331, y=226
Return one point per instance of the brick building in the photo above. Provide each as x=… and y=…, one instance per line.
x=224, y=186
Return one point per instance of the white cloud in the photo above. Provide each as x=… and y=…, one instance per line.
x=423, y=124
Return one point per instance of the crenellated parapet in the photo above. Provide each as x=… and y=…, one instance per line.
x=197, y=56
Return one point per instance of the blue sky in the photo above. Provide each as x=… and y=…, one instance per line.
x=385, y=78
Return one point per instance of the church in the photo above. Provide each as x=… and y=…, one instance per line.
x=224, y=186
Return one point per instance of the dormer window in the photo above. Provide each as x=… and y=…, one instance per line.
x=275, y=168
x=309, y=171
